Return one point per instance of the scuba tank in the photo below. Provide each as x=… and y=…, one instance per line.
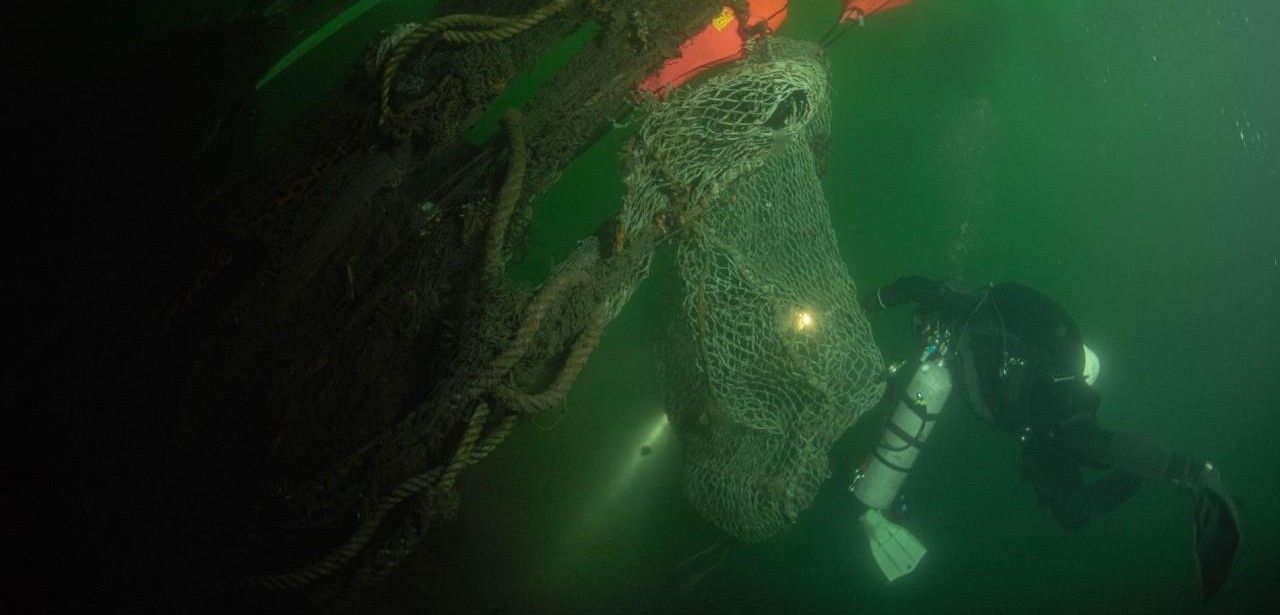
x=877, y=482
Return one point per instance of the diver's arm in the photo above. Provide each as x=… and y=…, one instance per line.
x=918, y=289
x=906, y=289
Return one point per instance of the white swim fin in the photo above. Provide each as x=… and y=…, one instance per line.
x=895, y=550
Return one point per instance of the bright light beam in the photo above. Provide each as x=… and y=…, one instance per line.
x=653, y=433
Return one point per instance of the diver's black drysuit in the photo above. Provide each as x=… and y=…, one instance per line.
x=1020, y=365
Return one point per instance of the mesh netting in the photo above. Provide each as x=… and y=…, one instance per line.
x=767, y=358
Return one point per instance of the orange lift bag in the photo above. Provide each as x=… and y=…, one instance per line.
x=723, y=40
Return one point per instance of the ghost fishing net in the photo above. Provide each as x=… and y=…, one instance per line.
x=767, y=359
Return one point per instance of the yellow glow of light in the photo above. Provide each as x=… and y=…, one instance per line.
x=803, y=321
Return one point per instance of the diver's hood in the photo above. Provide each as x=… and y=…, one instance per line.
x=1092, y=366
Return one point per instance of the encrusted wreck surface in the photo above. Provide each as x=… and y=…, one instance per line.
x=312, y=331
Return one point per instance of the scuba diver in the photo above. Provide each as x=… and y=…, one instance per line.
x=1017, y=359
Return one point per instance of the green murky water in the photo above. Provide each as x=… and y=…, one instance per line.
x=1117, y=155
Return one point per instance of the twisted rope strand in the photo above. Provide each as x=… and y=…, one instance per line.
x=550, y=293
x=435, y=478
x=508, y=196
x=573, y=364
x=340, y=556
x=495, y=438
x=479, y=29
x=382, y=563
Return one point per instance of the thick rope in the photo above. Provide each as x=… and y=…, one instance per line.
x=435, y=479
x=462, y=456
x=508, y=196
x=470, y=452
x=340, y=556
x=494, y=438
x=471, y=29
x=377, y=569
x=470, y=449
x=573, y=364
x=549, y=295
x=499, y=368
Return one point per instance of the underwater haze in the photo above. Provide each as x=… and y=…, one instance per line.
x=1117, y=155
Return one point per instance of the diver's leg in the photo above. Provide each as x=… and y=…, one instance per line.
x=1138, y=455
x=1087, y=442
x=1153, y=461
x=1057, y=481
x=1112, y=490
x=1090, y=446
x=1217, y=532
x=1144, y=456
